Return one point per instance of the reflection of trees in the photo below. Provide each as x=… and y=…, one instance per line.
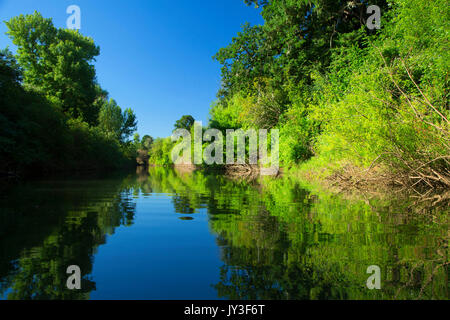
x=48, y=229
x=279, y=241
x=278, y=281
x=182, y=204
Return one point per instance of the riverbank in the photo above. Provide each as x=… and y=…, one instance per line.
x=342, y=178
x=11, y=177
x=375, y=181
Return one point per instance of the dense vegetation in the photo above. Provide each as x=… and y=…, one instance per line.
x=342, y=94
x=54, y=115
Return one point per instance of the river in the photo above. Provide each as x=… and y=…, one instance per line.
x=167, y=234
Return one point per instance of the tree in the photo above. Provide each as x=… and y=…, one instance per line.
x=50, y=103
x=129, y=124
x=10, y=71
x=137, y=140
x=296, y=39
x=186, y=122
x=58, y=63
x=244, y=60
x=120, y=125
x=147, y=142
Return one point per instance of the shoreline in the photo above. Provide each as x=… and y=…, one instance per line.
x=350, y=181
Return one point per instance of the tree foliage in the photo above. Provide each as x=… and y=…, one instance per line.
x=54, y=115
x=185, y=122
x=339, y=91
x=57, y=62
x=115, y=122
x=147, y=142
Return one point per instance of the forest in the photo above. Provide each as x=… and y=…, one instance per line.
x=349, y=101
x=55, y=117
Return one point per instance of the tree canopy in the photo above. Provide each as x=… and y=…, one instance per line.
x=185, y=122
x=340, y=92
x=58, y=63
x=55, y=115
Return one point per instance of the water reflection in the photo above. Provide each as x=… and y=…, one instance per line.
x=46, y=227
x=277, y=239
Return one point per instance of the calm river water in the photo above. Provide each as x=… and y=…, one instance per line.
x=174, y=235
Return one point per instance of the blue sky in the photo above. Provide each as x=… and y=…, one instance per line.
x=156, y=55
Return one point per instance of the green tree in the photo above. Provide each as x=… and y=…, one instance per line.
x=10, y=71
x=129, y=124
x=185, y=122
x=243, y=61
x=50, y=104
x=112, y=120
x=31, y=130
x=147, y=142
x=58, y=63
x=137, y=140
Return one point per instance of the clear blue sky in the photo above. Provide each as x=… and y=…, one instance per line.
x=156, y=55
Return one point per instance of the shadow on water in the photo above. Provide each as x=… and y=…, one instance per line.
x=277, y=240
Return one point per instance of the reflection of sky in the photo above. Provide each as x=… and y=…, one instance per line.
x=159, y=257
